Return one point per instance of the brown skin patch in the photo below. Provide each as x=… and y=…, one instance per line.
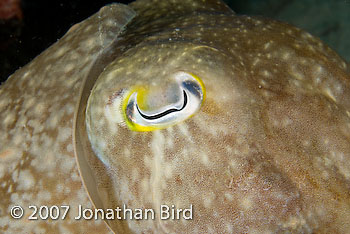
x=210, y=107
x=5, y=154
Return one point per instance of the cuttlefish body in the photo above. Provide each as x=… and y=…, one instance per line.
x=242, y=122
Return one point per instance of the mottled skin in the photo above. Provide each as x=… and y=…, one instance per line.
x=268, y=151
x=37, y=107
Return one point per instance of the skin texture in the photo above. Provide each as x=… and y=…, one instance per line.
x=37, y=108
x=267, y=152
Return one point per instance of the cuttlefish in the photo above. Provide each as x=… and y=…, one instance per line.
x=177, y=116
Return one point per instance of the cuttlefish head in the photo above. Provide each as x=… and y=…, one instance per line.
x=143, y=95
x=159, y=118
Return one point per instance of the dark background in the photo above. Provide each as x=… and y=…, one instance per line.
x=45, y=21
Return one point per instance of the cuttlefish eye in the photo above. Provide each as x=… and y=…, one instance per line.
x=180, y=101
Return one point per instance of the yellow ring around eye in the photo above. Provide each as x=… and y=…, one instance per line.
x=142, y=93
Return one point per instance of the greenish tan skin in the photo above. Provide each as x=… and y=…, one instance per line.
x=267, y=152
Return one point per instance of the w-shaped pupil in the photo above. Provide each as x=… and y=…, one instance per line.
x=164, y=113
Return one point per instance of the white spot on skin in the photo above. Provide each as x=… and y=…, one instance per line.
x=229, y=228
x=39, y=107
x=294, y=222
x=208, y=199
x=25, y=180
x=28, y=103
x=343, y=65
x=168, y=171
x=183, y=129
x=255, y=61
x=329, y=94
x=267, y=45
x=9, y=119
x=44, y=196
x=204, y=159
x=69, y=148
x=286, y=122
x=297, y=75
x=325, y=175
x=64, y=134
x=318, y=69
x=69, y=67
x=61, y=51
x=246, y=203
x=348, y=113
x=59, y=188
x=266, y=73
x=53, y=121
x=14, y=197
x=67, y=164
x=286, y=56
x=306, y=143
x=229, y=196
